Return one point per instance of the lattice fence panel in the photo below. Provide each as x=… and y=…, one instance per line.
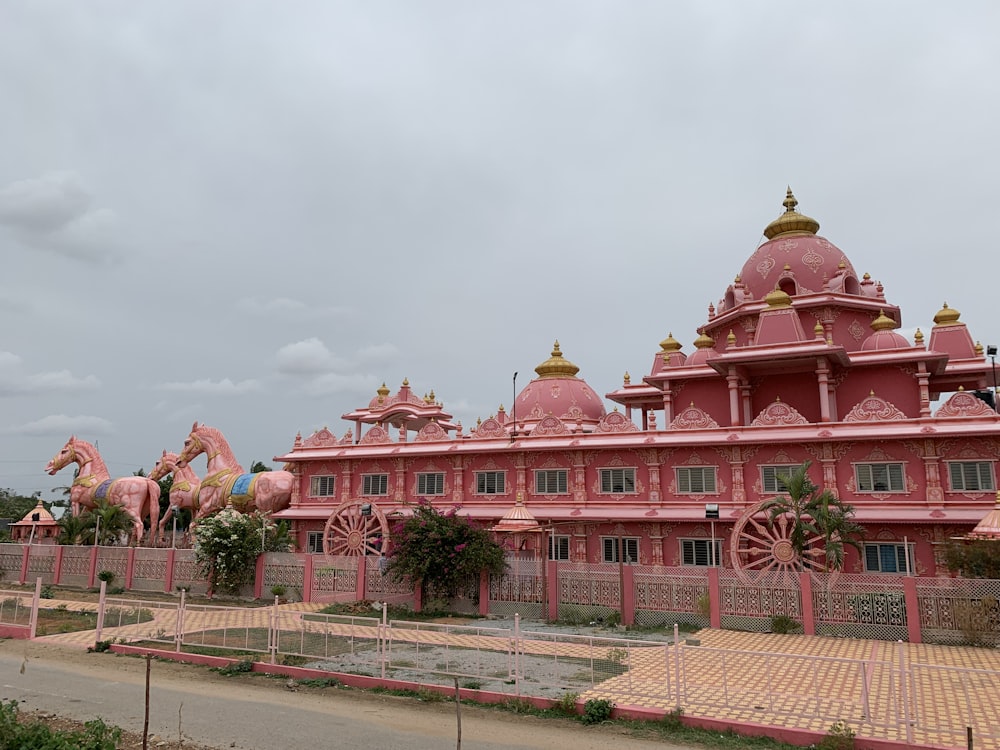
x=860, y=606
x=751, y=605
x=959, y=610
x=520, y=590
x=382, y=587
x=149, y=571
x=588, y=592
x=114, y=559
x=42, y=563
x=283, y=569
x=187, y=572
x=337, y=574
x=11, y=556
x=75, y=569
x=665, y=596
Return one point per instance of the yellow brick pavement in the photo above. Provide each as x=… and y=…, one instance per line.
x=795, y=681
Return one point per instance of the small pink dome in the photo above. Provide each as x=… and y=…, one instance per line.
x=557, y=391
x=882, y=340
x=883, y=336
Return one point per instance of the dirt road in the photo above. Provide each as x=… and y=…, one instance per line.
x=258, y=713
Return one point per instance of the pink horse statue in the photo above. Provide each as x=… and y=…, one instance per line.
x=183, y=491
x=139, y=496
x=226, y=482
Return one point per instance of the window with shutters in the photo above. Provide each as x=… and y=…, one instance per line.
x=617, y=481
x=695, y=480
x=375, y=484
x=889, y=558
x=323, y=486
x=770, y=477
x=559, y=547
x=430, y=484
x=881, y=477
x=971, y=476
x=490, y=483
x=628, y=546
x=551, y=482
x=700, y=552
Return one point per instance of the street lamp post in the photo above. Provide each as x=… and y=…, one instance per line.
x=513, y=411
x=712, y=513
x=992, y=352
x=173, y=513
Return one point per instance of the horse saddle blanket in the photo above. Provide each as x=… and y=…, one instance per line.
x=241, y=493
x=101, y=491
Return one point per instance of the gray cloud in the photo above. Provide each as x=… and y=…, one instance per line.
x=15, y=382
x=54, y=212
x=62, y=426
x=206, y=386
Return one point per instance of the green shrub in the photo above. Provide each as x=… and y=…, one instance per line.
x=238, y=667
x=46, y=592
x=106, y=575
x=839, y=737
x=783, y=624
x=672, y=720
x=566, y=705
x=96, y=735
x=597, y=710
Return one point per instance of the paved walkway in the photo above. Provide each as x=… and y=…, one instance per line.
x=781, y=680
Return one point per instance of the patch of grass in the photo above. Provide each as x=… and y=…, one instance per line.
x=566, y=705
x=96, y=735
x=239, y=667
x=472, y=684
x=319, y=682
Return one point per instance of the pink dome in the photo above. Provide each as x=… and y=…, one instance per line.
x=883, y=336
x=794, y=259
x=557, y=391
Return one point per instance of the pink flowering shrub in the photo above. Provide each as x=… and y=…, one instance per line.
x=445, y=552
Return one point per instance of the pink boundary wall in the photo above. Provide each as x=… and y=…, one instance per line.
x=793, y=736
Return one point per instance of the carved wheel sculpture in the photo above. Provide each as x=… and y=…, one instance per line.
x=763, y=548
x=350, y=532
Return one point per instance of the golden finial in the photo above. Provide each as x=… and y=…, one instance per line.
x=918, y=337
x=883, y=322
x=704, y=341
x=382, y=392
x=818, y=328
x=778, y=298
x=670, y=344
x=556, y=366
x=433, y=398
x=871, y=392
x=867, y=276
x=731, y=338
x=628, y=378
x=791, y=222
x=406, y=382
x=946, y=315
x=979, y=348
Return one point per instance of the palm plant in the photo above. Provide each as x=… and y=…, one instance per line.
x=111, y=523
x=72, y=528
x=814, y=515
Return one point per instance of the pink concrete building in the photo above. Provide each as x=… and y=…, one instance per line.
x=800, y=361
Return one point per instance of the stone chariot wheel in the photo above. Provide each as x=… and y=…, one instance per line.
x=350, y=531
x=762, y=548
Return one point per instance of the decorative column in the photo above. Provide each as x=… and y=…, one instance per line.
x=823, y=381
x=733, y=381
x=668, y=404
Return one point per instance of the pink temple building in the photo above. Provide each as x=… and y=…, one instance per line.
x=800, y=361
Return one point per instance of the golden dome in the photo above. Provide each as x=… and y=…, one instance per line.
x=883, y=322
x=979, y=348
x=556, y=366
x=791, y=222
x=946, y=315
x=778, y=298
x=918, y=337
x=670, y=344
x=382, y=392
x=704, y=341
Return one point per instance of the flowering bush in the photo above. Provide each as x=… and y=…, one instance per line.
x=443, y=551
x=227, y=544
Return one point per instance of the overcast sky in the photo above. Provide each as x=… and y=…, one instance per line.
x=251, y=214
